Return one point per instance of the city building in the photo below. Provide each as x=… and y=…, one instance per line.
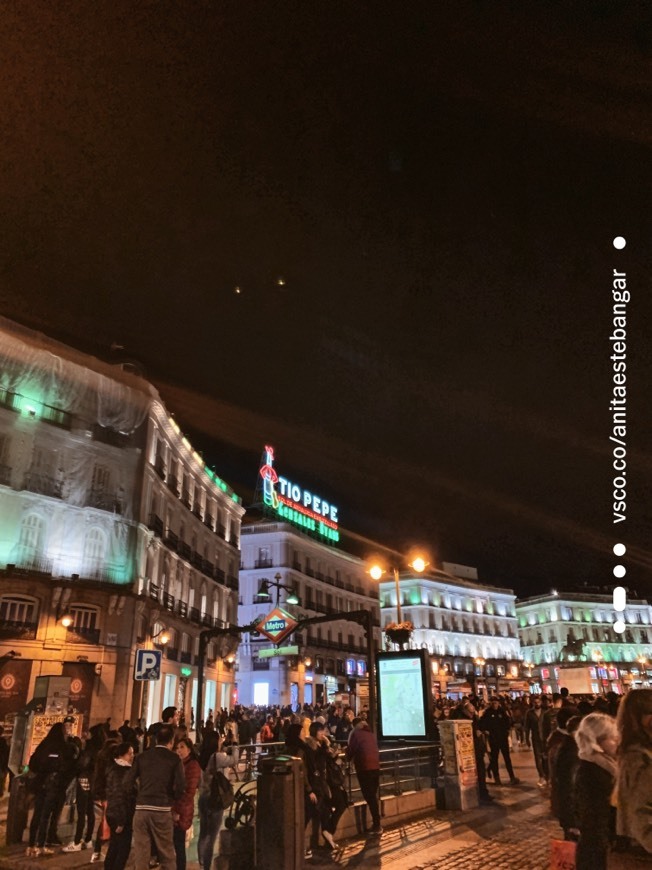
x=114, y=536
x=468, y=628
x=562, y=629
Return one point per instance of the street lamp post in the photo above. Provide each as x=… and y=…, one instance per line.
x=263, y=593
x=376, y=571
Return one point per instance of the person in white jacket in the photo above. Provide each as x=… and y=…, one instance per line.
x=210, y=820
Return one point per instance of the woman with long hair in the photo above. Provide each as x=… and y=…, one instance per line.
x=634, y=791
x=297, y=746
x=184, y=808
x=53, y=762
x=597, y=744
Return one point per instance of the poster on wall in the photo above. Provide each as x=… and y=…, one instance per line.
x=82, y=680
x=14, y=683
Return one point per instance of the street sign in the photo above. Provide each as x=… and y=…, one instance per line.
x=276, y=625
x=148, y=664
x=278, y=651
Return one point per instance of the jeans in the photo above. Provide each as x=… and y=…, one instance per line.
x=119, y=848
x=46, y=806
x=500, y=746
x=85, y=813
x=179, y=836
x=153, y=833
x=210, y=822
x=369, y=783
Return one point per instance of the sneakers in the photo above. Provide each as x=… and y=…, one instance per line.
x=43, y=850
x=31, y=852
x=542, y=783
x=72, y=847
x=96, y=857
x=87, y=845
x=307, y=855
x=329, y=839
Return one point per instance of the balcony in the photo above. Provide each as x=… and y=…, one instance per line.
x=234, y=540
x=196, y=512
x=168, y=601
x=171, y=540
x=208, y=522
x=172, y=653
x=17, y=630
x=263, y=563
x=83, y=635
x=207, y=568
x=103, y=501
x=184, y=550
x=185, y=657
x=185, y=498
x=154, y=591
x=109, y=436
x=173, y=485
x=159, y=467
x=220, y=575
x=43, y=484
x=232, y=582
x=30, y=562
x=221, y=531
x=156, y=525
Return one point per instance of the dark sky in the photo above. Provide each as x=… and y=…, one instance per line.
x=437, y=184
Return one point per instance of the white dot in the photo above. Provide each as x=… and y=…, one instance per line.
x=619, y=549
x=619, y=243
x=620, y=571
x=619, y=626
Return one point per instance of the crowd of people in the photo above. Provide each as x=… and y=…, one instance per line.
x=593, y=758
x=149, y=784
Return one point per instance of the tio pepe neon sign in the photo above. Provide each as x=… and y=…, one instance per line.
x=295, y=504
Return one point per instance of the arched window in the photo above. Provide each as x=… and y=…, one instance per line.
x=94, y=551
x=31, y=540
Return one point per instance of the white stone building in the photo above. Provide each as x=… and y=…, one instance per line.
x=109, y=517
x=549, y=622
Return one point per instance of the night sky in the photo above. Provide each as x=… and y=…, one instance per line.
x=417, y=202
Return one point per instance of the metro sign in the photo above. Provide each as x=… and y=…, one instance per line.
x=277, y=625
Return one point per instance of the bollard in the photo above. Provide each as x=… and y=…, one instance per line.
x=280, y=838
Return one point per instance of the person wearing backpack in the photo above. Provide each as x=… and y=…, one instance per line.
x=210, y=814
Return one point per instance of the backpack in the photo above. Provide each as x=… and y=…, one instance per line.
x=221, y=793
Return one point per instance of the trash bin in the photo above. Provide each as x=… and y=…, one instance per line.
x=280, y=814
x=19, y=803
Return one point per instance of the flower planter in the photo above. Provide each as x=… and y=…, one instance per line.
x=400, y=636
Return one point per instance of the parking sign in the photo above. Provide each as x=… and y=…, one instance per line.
x=148, y=664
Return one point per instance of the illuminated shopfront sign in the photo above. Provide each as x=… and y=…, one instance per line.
x=295, y=504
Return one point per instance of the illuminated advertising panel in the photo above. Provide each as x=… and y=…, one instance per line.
x=295, y=504
x=404, y=695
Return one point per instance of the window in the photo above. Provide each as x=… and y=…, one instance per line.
x=94, y=551
x=16, y=609
x=83, y=617
x=31, y=537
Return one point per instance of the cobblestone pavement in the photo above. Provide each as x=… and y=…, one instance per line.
x=516, y=847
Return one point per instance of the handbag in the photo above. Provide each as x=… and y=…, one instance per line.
x=221, y=793
x=562, y=854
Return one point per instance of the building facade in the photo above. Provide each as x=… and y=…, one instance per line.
x=576, y=629
x=110, y=519
x=469, y=629
x=330, y=662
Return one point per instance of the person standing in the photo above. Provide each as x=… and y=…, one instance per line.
x=496, y=723
x=597, y=744
x=54, y=764
x=84, y=802
x=533, y=737
x=169, y=716
x=158, y=775
x=362, y=750
x=183, y=809
x=210, y=819
x=120, y=807
x=634, y=790
x=4, y=761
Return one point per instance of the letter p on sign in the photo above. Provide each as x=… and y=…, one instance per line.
x=148, y=664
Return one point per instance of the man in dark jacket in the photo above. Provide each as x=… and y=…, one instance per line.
x=497, y=723
x=169, y=716
x=160, y=781
x=362, y=750
x=533, y=719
